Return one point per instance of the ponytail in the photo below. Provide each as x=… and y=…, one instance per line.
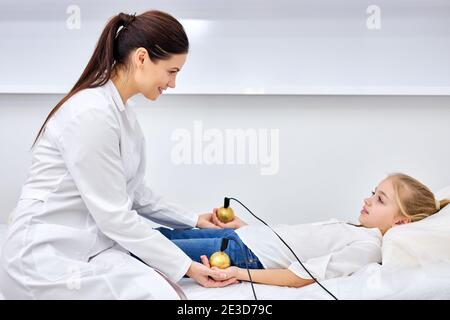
x=158, y=32
x=442, y=203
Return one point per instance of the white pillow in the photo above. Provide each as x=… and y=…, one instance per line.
x=419, y=243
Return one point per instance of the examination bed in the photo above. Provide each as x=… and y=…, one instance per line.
x=416, y=265
x=371, y=282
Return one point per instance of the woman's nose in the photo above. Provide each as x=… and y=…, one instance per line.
x=366, y=201
x=171, y=84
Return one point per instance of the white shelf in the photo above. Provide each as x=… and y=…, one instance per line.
x=246, y=46
x=363, y=91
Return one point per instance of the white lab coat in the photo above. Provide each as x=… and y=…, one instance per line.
x=85, y=206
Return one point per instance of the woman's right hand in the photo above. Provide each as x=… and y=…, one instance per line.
x=206, y=276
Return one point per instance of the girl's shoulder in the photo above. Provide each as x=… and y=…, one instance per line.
x=326, y=222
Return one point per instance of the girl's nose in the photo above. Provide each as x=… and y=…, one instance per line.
x=366, y=201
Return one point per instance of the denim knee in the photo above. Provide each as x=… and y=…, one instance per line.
x=240, y=255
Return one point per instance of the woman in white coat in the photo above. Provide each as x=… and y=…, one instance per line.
x=83, y=214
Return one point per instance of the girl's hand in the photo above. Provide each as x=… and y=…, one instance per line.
x=208, y=277
x=235, y=224
x=230, y=272
x=205, y=221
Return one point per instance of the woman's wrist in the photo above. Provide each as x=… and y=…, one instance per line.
x=189, y=270
x=196, y=224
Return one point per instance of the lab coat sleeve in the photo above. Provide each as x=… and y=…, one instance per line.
x=152, y=206
x=340, y=263
x=90, y=146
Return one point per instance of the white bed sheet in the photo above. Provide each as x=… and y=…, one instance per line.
x=371, y=282
x=2, y=238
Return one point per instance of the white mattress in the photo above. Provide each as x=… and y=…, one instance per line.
x=371, y=282
x=2, y=238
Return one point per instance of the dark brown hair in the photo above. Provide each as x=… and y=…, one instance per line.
x=158, y=32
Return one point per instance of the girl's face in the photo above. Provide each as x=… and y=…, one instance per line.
x=152, y=78
x=381, y=210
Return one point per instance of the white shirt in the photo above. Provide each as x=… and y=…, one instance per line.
x=327, y=249
x=89, y=168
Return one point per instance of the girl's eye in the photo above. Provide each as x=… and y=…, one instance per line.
x=379, y=199
x=373, y=192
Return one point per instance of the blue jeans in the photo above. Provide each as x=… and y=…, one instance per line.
x=198, y=242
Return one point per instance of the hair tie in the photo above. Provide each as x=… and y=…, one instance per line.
x=131, y=18
x=126, y=19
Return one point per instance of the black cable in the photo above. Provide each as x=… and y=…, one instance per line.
x=246, y=264
x=227, y=201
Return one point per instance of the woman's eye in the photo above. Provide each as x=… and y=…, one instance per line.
x=379, y=199
x=373, y=192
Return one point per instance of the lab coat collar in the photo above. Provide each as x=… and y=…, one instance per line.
x=115, y=95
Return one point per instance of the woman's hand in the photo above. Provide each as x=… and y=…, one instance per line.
x=230, y=272
x=205, y=221
x=235, y=224
x=208, y=277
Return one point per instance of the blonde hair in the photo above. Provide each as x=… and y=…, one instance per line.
x=414, y=199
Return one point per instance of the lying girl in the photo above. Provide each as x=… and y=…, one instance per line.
x=327, y=249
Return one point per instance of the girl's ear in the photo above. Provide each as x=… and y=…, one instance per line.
x=402, y=220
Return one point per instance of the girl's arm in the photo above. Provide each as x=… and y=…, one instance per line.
x=277, y=277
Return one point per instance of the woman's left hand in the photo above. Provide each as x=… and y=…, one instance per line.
x=228, y=273
x=205, y=221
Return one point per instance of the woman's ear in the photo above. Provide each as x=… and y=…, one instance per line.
x=140, y=57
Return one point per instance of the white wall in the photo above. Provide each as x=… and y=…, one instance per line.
x=281, y=47
x=333, y=149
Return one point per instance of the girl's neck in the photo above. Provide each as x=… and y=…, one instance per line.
x=361, y=226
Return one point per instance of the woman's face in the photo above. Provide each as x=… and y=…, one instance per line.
x=152, y=78
x=381, y=210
